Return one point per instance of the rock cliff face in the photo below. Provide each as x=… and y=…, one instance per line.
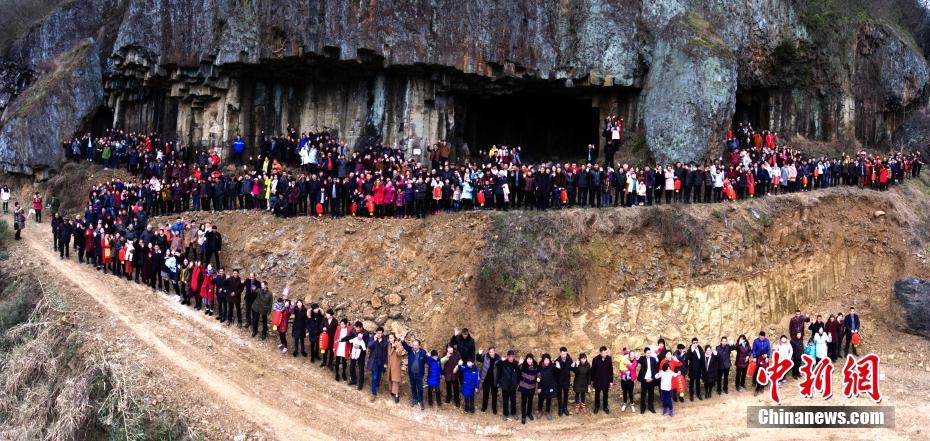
x=52, y=109
x=409, y=73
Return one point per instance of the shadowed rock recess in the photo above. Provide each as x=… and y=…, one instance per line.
x=412, y=73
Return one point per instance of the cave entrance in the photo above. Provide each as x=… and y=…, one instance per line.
x=100, y=122
x=752, y=106
x=547, y=126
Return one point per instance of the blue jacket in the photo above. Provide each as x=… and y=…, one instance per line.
x=238, y=145
x=761, y=347
x=435, y=372
x=471, y=380
x=416, y=362
x=851, y=322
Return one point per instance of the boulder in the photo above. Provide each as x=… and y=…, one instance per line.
x=393, y=299
x=878, y=213
x=690, y=90
x=914, y=297
x=376, y=302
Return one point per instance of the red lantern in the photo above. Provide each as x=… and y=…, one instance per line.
x=324, y=341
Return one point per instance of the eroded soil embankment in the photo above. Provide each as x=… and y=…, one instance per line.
x=755, y=263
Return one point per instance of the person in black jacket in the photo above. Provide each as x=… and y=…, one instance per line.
x=464, y=344
x=329, y=324
x=314, y=327
x=357, y=366
x=252, y=286
x=508, y=378
x=711, y=367
x=723, y=374
x=648, y=368
x=299, y=328
x=56, y=222
x=220, y=283
x=547, y=383
x=234, y=287
x=563, y=366
x=488, y=383
x=64, y=238
x=213, y=244
x=695, y=362
x=602, y=376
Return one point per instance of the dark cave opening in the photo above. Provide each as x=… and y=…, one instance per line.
x=99, y=123
x=752, y=106
x=545, y=125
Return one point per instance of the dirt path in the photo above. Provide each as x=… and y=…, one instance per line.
x=241, y=385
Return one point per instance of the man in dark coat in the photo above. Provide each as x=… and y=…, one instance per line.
x=234, y=287
x=508, y=378
x=213, y=244
x=648, y=368
x=723, y=374
x=357, y=366
x=464, y=343
x=563, y=366
x=252, y=285
x=221, y=296
x=314, y=328
x=260, y=310
x=695, y=359
x=64, y=238
x=377, y=360
x=602, y=375
x=796, y=324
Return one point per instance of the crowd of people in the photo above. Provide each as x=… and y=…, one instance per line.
x=315, y=174
x=180, y=256
x=114, y=235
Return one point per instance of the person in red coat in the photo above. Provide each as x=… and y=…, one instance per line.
x=208, y=289
x=89, y=246
x=286, y=310
x=197, y=275
x=37, y=206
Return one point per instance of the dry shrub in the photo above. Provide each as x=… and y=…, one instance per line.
x=57, y=383
x=677, y=229
x=531, y=253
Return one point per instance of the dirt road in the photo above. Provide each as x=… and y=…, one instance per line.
x=229, y=384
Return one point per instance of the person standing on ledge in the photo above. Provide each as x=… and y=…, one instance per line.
x=37, y=207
